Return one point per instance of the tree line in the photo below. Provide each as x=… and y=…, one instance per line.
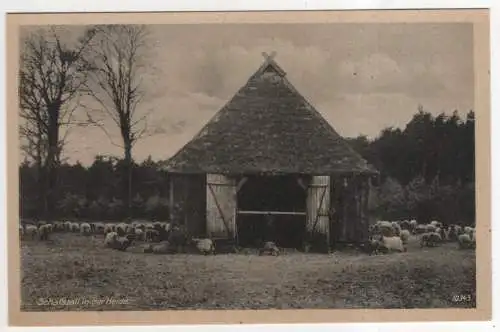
x=427, y=168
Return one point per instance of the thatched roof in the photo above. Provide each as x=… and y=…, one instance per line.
x=268, y=127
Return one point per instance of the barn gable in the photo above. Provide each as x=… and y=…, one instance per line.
x=268, y=127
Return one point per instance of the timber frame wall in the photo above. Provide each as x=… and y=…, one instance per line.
x=207, y=205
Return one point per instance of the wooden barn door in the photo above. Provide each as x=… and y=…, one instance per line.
x=221, y=206
x=318, y=205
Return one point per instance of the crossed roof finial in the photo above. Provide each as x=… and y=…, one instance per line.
x=269, y=56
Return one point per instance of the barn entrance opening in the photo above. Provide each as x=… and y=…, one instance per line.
x=271, y=208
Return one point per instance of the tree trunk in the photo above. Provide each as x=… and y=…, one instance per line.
x=51, y=163
x=128, y=165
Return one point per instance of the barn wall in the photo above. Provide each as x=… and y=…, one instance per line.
x=318, y=206
x=351, y=201
x=188, y=196
x=220, y=206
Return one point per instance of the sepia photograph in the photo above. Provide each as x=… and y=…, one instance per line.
x=248, y=165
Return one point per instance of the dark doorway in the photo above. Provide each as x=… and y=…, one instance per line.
x=284, y=198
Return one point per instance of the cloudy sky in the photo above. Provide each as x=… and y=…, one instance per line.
x=361, y=77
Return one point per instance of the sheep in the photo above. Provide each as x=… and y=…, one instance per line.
x=420, y=229
x=430, y=228
x=75, y=227
x=21, y=231
x=473, y=236
x=430, y=239
x=204, y=246
x=108, y=228
x=405, y=225
x=58, y=226
x=468, y=230
x=436, y=224
x=114, y=241
x=110, y=238
x=385, y=228
x=139, y=233
x=86, y=228
x=404, y=235
x=392, y=243
x=465, y=242
x=396, y=229
x=121, y=229
x=44, y=231
x=67, y=226
x=162, y=248
x=269, y=248
x=123, y=242
x=31, y=230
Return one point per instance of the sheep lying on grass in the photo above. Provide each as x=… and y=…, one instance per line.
x=204, y=246
x=114, y=241
x=430, y=239
x=466, y=242
x=392, y=243
x=269, y=248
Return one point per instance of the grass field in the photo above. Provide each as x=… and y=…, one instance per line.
x=74, y=272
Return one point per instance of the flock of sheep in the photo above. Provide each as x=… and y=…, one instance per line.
x=386, y=236
x=165, y=238
x=156, y=237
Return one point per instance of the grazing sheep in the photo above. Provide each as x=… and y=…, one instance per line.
x=85, y=228
x=430, y=239
x=58, y=226
x=44, y=231
x=75, y=227
x=459, y=229
x=204, y=246
x=99, y=228
x=139, y=234
x=465, y=242
x=430, y=228
x=420, y=229
x=269, y=248
x=392, y=243
x=404, y=235
x=31, y=231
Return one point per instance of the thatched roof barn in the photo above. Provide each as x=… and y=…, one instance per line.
x=268, y=166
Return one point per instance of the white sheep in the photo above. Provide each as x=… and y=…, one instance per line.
x=404, y=235
x=139, y=233
x=44, y=231
x=465, y=242
x=75, y=227
x=85, y=228
x=109, y=240
x=393, y=243
x=430, y=228
x=31, y=231
x=430, y=239
x=204, y=246
x=21, y=231
x=468, y=230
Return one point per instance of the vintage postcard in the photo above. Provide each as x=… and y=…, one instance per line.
x=171, y=168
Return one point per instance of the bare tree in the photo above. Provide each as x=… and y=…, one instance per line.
x=51, y=76
x=117, y=58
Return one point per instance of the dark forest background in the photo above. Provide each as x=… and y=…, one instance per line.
x=427, y=172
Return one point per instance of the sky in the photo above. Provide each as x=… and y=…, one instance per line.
x=361, y=77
